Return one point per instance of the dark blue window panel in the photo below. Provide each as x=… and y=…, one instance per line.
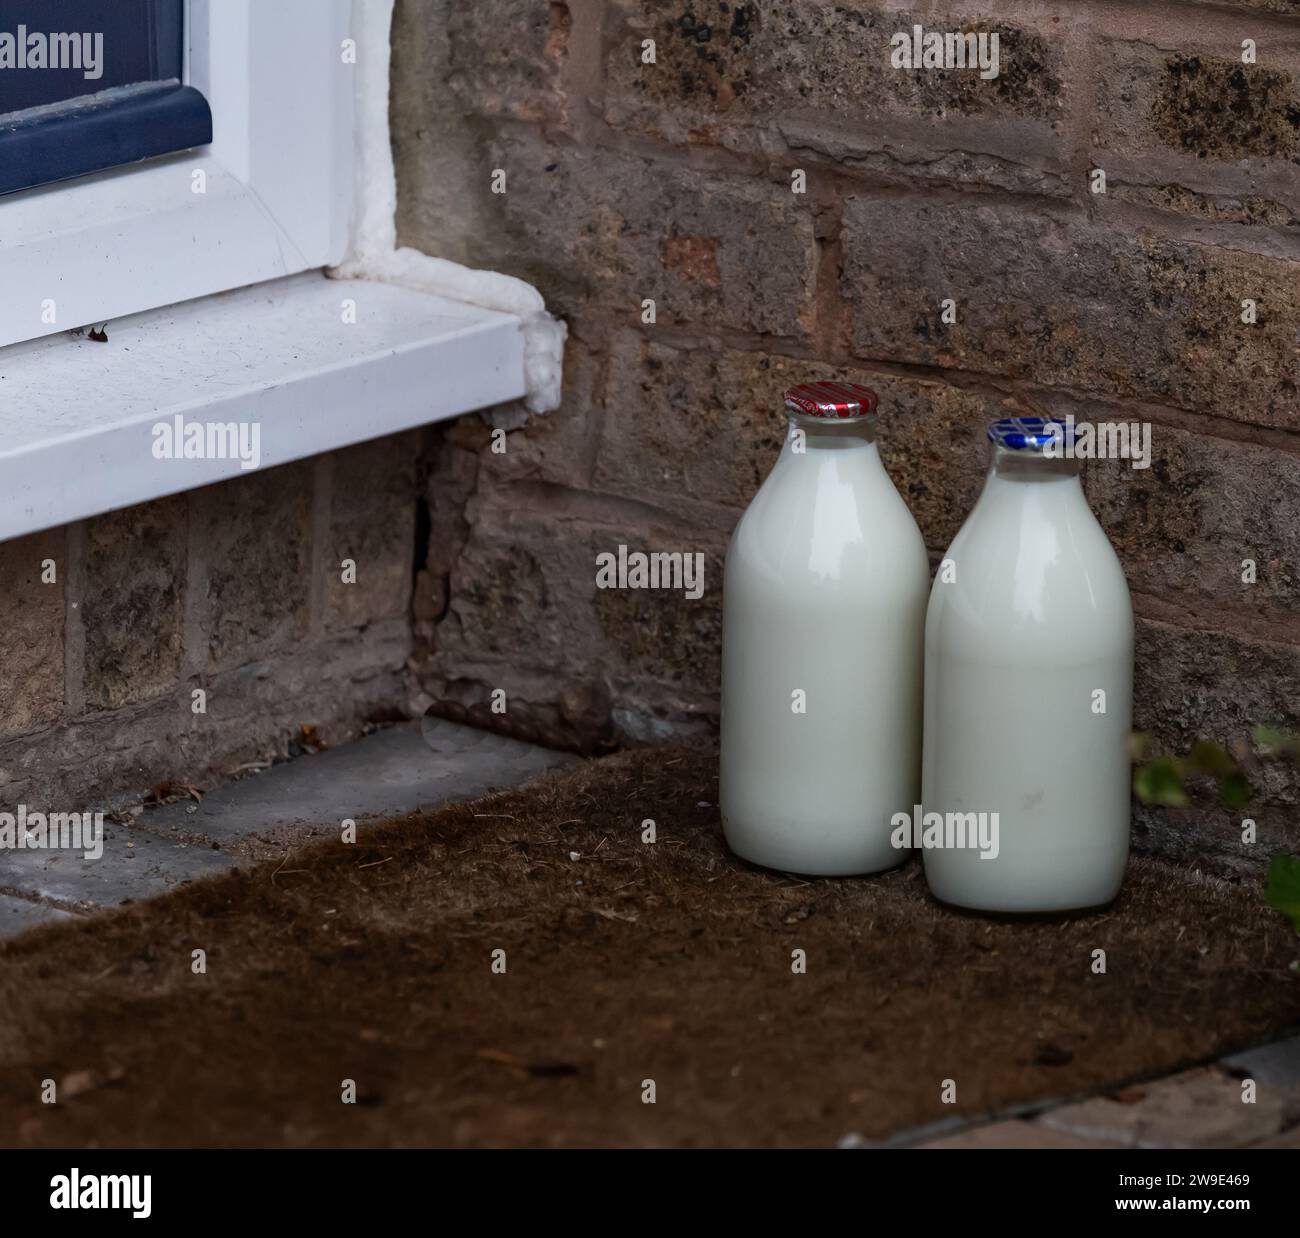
x=92, y=84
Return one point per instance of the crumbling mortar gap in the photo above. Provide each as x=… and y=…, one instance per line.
x=74, y=630
x=1278, y=626
x=568, y=504
x=989, y=383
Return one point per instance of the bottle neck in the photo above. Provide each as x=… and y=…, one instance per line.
x=1014, y=467
x=810, y=435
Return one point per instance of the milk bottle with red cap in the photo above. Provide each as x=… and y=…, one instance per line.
x=823, y=613
x=1028, y=689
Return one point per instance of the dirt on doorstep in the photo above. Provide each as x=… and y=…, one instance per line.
x=371, y=972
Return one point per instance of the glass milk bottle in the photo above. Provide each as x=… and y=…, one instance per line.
x=823, y=613
x=1028, y=688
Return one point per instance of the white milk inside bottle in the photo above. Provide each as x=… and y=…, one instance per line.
x=823, y=616
x=1028, y=690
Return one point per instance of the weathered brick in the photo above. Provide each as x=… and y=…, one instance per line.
x=661, y=637
x=372, y=522
x=556, y=447
x=709, y=426
x=1049, y=296
x=127, y=599
x=1192, y=132
x=521, y=593
x=1224, y=109
x=713, y=58
x=254, y=535
x=1203, y=684
x=507, y=56
x=112, y=757
x=691, y=421
x=707, y=60
x=133, y=602
x=934, y=443
x=31, y=633
x=818, y=77
x=435, y=146
x=524, y=602
x=1193, y=683
x=1186, y=524
x=594, y=229
x=1216, y=207
x=1013, y=1133
x=1206, y=835
x=1200, y=1108
x=1290, y=7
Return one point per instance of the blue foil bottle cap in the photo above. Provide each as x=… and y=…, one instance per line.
x=1030, y=433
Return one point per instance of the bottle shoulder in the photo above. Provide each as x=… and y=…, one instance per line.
x=821, y=526
x=1037, y=571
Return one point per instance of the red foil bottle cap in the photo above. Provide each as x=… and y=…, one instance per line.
x=841, y=401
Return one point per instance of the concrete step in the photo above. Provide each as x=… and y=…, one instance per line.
x=389, y=773
x=18, y=914
x=394, y=771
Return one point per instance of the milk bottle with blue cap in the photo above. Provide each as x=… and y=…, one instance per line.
x=1028, y=689
x=823, y=614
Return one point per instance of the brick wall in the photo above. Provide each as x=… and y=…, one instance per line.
x=672, y=181
x=235, y=589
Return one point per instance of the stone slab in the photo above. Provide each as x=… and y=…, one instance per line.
x=394, y=771
x=17, y=915
x=133, y=865
x=1273, y=1066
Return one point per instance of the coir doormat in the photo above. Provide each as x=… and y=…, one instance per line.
x=526, y=970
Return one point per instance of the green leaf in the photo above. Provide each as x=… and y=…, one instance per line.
x=1279, y=743
x=1209, y=758
x=1235, y=790
x=1283, y=890
x=1160, y=782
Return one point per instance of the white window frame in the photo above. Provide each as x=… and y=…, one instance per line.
x=277, y=180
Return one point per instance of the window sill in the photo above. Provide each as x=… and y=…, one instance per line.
x=78, y=417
